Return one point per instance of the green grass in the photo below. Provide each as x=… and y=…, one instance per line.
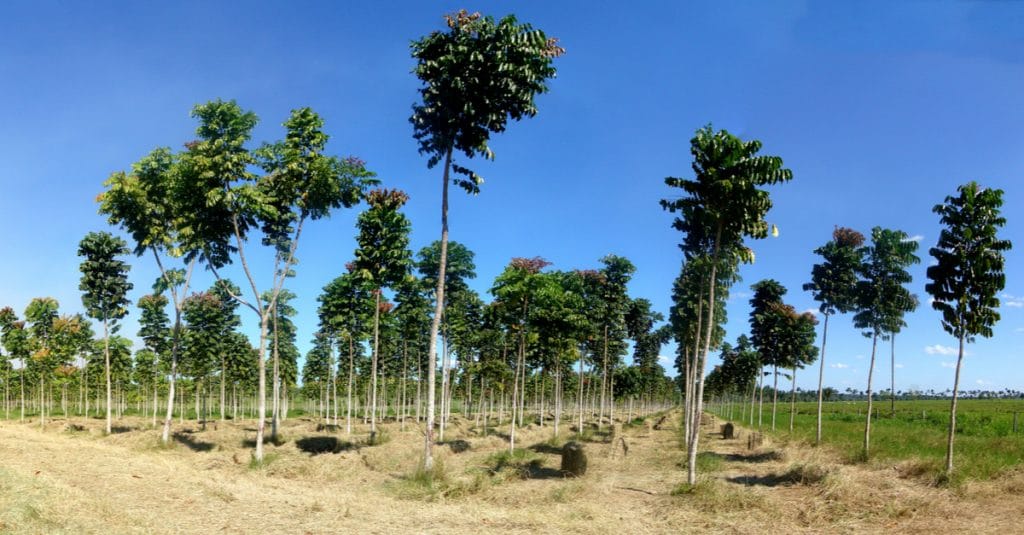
x=985, y=443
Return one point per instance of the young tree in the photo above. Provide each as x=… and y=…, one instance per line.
x=881, y=294
x=143, y=203
x=383, y=260
x=346, y=306
x=221, y=201
x=15, y=339
x=724, y=204
x=834, y=285
x=476, y=76
x=104, y=288
x=968, y=274
x=769, y=329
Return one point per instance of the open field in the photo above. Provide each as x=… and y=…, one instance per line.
x=71, y=478
x=986, y=443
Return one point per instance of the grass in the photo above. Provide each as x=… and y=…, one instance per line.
x=985, y=446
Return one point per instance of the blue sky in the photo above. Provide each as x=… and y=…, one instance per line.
x=880, y=110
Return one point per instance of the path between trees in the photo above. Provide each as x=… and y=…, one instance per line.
x=56, y=481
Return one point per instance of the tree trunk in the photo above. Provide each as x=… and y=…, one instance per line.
x=373, y=367
x=106, y=366
x=275, y=413
x=691, y=476
x=952, y=410
x=261, y=388
x=867, y=421
x=821, y=380
x=775, y=394
x=792, y=402
x=348, y=391
x=892, y=377
x=428, y=459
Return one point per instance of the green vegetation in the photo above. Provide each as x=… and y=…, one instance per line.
x=984, y=427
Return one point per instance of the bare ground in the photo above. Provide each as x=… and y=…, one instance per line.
x=78, y=481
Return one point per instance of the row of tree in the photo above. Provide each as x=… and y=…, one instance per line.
x=724, y=203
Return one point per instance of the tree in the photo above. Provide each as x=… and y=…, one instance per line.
x=143, y=203
x=105, y=288
x=769, y=328
x=221, y=201
x=346, y=306
x=476, y=76
x=15, y=338
x=383, y=260
x=881, y=294
x=834, y=285
x=723, y=205
x=968, y=273
x=514, y=290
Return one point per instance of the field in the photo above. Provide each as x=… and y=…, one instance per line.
x=987, y=445
x=69, y=478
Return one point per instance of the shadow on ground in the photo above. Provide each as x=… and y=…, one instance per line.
x=324, y=444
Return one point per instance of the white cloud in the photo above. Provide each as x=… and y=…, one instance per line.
x=812, y=311
x=859, y=357
x=948, y=364
x=982, y=382
x=1019, y=330
x=899, y=366
x=665, y=361
x=839, y=365
x=1012, y=300
x=915, y=237
x=939, y=349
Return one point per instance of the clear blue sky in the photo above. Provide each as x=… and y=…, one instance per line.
x=880, y=110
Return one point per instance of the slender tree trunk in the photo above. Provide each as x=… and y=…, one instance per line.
x=867, y=421
x=348, y=391
x=792, y=401
x=275, y=413
x=604, y=380
x=373, y=367
x=106, y=366
x=261, y=388
x=952, y=410
x=579, y=395
x=405, y=372
x=223, y=409
x=775, y=394
x=428, y=459
x=821, y=379
x=691, y=476
x=892, y=377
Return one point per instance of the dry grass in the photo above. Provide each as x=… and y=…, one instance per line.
x=71, y=478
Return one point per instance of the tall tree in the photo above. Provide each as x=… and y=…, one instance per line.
x=383, y=260
x=968, y=273
x=476, y=76
x=143, y=203
x=881, y=295
x=769, y=330
x=723, y=204
x=104, y=288
x=834, y=285
x=222, y=201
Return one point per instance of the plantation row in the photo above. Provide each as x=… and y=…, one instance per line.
x=387, y=322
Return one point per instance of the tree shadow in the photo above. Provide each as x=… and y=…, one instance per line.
x=457, y=445
x=769, y=480
x=536, y=471
x=324, y=444
x=754, y=457
x=267, y=439
x=117, y=429
x=193, y=444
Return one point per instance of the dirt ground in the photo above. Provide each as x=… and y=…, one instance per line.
x=70, y=478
